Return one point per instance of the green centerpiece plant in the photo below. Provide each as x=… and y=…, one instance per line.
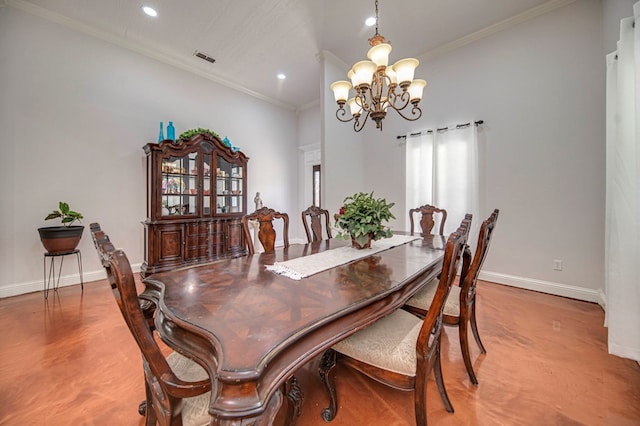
x=362, y=218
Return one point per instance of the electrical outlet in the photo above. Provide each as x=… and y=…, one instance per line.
x=557, y=265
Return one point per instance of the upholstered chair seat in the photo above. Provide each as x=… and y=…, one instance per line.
x=195, y=410
x=425, y=296
x=388, y=344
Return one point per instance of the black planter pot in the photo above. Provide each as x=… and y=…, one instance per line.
x=60, y=239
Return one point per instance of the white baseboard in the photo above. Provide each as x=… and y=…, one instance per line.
x=557, y=289
x=65, y=280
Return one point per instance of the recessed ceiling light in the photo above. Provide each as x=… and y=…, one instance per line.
x=150, y=11
x=281, y=76
x=370, y=22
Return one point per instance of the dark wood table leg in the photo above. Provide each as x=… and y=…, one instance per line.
x=327, y=364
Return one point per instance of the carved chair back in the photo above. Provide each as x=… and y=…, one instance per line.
x=432, y=326
x=428, y=344
x=266, y=232
x=428, y=218
x=164, y=389
x=469, y=275
x=312, y=218
x=363, y=350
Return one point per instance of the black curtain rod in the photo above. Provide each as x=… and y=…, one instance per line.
x=442, y=129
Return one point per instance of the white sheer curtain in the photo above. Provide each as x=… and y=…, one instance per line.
x=442, y=170
x=622, y=226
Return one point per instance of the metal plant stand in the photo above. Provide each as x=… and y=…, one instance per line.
x=52, y=273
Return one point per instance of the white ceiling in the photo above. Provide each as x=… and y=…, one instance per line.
x=253, y=40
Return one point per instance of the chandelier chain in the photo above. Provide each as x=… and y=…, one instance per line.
x=377, y=17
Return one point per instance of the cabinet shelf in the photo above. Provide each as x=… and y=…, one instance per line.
x=178, y=175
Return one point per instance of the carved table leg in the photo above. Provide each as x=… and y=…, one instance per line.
x=295, y=396
x=327, y=364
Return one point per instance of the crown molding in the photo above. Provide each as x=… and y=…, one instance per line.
x=308, y=106
x=325, y=55
x=495, y=28
x=72, y=24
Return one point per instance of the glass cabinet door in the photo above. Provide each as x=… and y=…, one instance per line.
x=179, y=193
x=206, y=185
x=229, y=185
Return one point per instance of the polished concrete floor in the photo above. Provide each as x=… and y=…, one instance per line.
x=71, y=361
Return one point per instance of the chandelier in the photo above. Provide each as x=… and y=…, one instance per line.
x=379, y=87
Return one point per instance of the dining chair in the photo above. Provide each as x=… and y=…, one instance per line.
x=266, y=232
x=177, y=388
x=400, y=350
x=312, y=219
x=460, y=307
x=428, y=218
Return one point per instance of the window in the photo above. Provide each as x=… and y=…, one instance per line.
x=316, y=185
x=442, y=170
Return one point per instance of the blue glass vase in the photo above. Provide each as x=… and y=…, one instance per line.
x=171, y=131
x=161, y=135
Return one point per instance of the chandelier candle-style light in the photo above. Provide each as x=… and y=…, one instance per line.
x=376, y=86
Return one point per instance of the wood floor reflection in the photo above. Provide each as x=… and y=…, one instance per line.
x=71, y=361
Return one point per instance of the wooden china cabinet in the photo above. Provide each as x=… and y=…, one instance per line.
x=196, y=197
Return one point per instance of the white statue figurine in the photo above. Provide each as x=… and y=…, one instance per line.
x=258, y=201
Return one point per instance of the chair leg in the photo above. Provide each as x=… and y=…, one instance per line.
x=79, y=258
x=420, y=400
x=327, y=364
x=295, y=395
x=466, y=355
x=146, y=409
x=437, y=372
x=474, y=328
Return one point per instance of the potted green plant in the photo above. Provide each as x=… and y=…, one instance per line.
x=65, y=238
x=361, y=218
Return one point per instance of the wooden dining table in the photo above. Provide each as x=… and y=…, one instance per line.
x=251, y=328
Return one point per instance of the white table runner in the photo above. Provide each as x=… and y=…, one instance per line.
x=306, y=266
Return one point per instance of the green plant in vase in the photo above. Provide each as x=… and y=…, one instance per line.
x=362, y=218
x=65, y=238
x=66, y=215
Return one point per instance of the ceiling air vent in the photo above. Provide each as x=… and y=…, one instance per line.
x=204, y=57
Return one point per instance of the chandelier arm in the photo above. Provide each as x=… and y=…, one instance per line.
x=361, y=100
x=358, y=125
x=416, y=113
x=342, y=112
x=404, y=98
x=377, y=87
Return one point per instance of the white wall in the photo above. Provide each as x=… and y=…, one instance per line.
x=539, y=87
x=342, y=150
x=308, y=155
x=75, y=112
